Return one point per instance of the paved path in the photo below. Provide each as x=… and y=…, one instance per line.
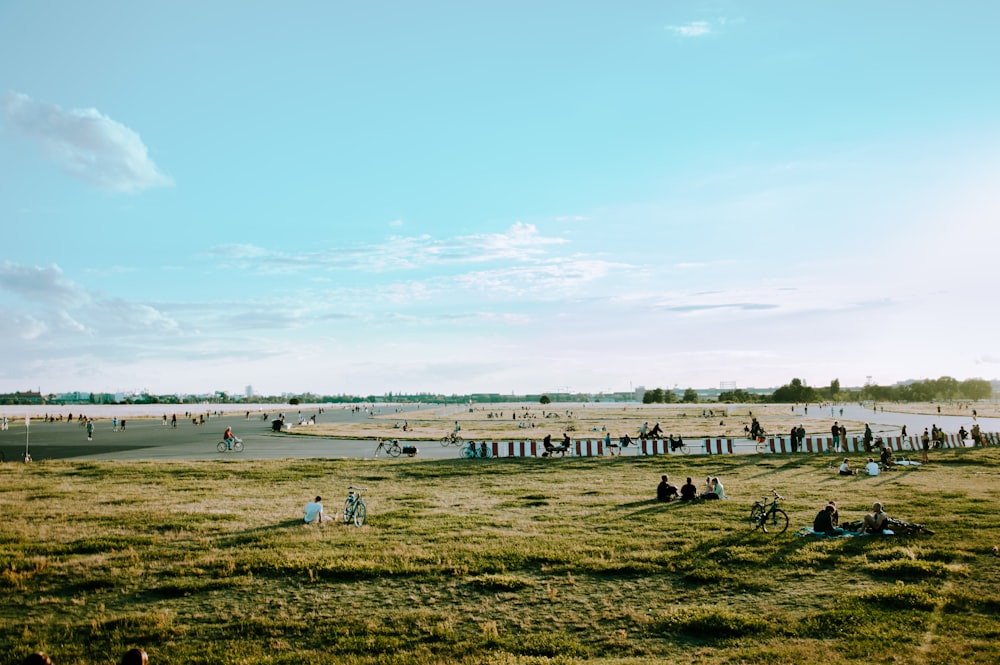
x=148, y=439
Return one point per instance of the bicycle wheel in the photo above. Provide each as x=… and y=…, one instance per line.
x=456, y=440
x=238, y=447
x=445, y=440
x=761, y=447
x=756, y=516
x=468, y=453
x=486, y=453
x=348, y=511
x=776, y=522
x=682, y=449
x=221, y=447
x=394, y=450
x=360, y=513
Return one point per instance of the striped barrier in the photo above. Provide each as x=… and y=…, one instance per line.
x=726, y=446
x=719, y=446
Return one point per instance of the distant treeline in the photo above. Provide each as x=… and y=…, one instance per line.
x=796, y=392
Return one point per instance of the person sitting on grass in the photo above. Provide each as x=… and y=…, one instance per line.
x=872, y=467
x=876, y=521
x=688, y=491
x=886, y=458
x=845, y=468
x=717, y=491
x=314, y=512
x=823, y=524
x=665, y=491
x=37, y=658
x=134, y=657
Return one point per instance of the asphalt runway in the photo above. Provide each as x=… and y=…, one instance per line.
x=149, y=439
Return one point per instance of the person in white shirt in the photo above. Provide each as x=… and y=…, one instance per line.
x=872, y=467
x=314, y=512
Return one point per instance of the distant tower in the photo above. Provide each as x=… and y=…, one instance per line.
x=249, y=391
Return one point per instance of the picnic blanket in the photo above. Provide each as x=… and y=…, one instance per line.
x=807, y=531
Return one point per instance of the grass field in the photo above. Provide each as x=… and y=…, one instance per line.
x=510, y=561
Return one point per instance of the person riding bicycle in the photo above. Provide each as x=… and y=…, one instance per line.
x=676, y=443
x=229, y=438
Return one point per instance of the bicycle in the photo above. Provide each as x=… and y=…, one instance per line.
x=236, y=446
x=762, y=446
x=472, y=451
x=354, y=507
x=453, y=439
x=766, y=516
x=392, y=449
x=677, y=446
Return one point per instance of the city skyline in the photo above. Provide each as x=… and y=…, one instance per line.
x=452, y=198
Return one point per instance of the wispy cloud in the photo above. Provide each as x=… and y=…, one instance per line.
x=521, y=242
x=85, y=143
x=693, y=29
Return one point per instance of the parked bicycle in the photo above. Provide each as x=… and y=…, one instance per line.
x=354, y=507
x=452, y=439
x=393, y=449
x=766, y=516
x=390, y=448
x=471, y=451
x=235, y=446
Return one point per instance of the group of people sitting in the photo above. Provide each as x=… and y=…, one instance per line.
x=827, y=522
x=872, y=468
x=713, y=490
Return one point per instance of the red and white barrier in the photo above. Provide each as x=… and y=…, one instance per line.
x=726, y=446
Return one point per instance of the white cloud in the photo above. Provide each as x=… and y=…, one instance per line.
x=693, y=29
x=85, y=143
x=40, y=284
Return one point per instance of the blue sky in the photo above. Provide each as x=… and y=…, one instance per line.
x=502, y=197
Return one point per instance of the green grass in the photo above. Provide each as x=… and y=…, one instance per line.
x=510, y=561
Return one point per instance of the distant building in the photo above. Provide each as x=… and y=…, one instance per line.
x=249, y=391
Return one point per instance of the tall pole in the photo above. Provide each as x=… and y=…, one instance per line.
x=27, y=429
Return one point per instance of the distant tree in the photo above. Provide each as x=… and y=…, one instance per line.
x=795, y=392
x=544, y=399
x=654, y=396
x=834, y=387
x=690, y=395
x=975, y=389
x=294, y=401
